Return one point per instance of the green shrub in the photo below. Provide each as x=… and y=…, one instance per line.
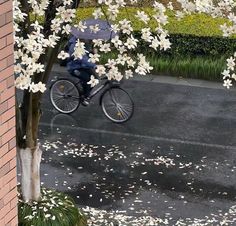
x=54, y=209
x=191, y=45
x=201, y=46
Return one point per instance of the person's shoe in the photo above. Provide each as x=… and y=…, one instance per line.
x=86, y=101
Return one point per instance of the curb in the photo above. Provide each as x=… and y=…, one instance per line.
x=163, y=80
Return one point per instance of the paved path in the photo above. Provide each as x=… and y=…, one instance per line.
x=174, y=159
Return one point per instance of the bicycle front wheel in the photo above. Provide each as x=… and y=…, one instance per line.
x=117, y=105
x=64, y=96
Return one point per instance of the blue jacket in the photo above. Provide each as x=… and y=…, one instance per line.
x=79, y=63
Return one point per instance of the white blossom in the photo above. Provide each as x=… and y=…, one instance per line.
x=97, y=13
x=93, y=81
x=79, y=50
x=227, y=83
x=94, y=58
x=100, y=70
x=141, y=15
x=63, y=55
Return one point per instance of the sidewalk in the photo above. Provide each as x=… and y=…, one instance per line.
x=163, y=79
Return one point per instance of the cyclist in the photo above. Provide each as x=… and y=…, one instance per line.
x=81, y=68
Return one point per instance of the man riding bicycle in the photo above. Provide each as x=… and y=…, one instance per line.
x=81, y=68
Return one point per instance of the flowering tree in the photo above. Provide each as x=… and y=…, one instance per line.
x=41, y=25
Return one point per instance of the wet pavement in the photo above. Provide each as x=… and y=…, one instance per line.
x=174, y=162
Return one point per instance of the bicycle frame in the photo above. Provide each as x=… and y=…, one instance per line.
x=102, y=87
x=108, y=84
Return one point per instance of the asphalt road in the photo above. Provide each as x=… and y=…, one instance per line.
x=176, y=158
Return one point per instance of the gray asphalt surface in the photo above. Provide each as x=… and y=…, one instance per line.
x=176, y=158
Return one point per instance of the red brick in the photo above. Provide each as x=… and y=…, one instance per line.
x=6, y=73
x=3, y=42
x=1, y=204
x=10, y=215
x=5, y=52
x=7, y=115
x=6, y=7
x=10, y=39
x=8, y=135
x=5, y=210
x=1, y=184
x=11, y=102
x=6, y=29
x=4, y=169
x=2, y=20
x=4, y=190
x=14, y=201
x=9, y=196
x=3, y=85
x=3, y=150
x=8, y=179
x=3, y=64
x=14, y=221
x=3, y=128
x=9, y=16
x=11, y=122
x=10, y=61
x=2, y=1
x=9, y=156
x=12, y=144
x=13, y=183
x=3, y=107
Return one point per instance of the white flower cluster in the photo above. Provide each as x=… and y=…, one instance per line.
x=30, y=47
x=128, y=62
x=79, y=49
x=223, y=9
x=229, y=73
x=38, y=8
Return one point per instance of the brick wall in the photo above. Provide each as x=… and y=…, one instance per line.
x=8, y=192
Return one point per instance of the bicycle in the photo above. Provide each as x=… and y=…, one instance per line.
x=66, y=96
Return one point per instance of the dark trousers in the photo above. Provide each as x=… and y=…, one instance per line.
x=84, y=76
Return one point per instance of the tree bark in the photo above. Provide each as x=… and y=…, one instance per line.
x=30, y=173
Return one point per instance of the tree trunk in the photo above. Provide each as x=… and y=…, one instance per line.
x=30, y=173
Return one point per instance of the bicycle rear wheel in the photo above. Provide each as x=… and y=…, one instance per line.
x=65, y=96
x=117, y=105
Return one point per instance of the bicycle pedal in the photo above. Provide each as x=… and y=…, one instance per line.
x=85, y=103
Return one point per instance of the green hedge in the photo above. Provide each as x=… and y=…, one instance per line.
x=190, y=45
x=202, y=46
